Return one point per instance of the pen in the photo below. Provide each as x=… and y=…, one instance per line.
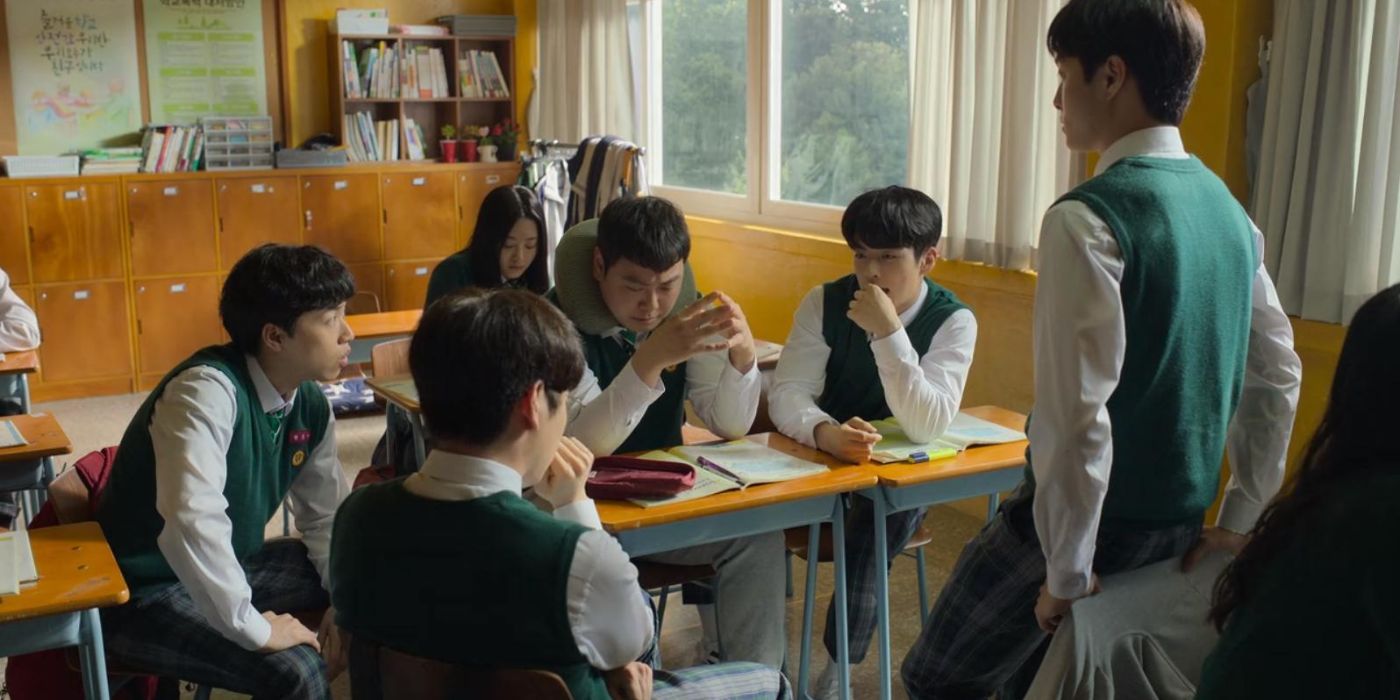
x=708, y=464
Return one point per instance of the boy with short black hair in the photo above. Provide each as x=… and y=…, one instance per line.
x=548, y=592
x=651, y=341
x=884, y=341
x=1158, y=342
x=205, y=463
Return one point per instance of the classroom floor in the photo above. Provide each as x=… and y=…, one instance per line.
x=98, y=422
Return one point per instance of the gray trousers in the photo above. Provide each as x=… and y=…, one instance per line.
x=1144, y=637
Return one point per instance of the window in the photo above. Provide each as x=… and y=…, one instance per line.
x=786, y=108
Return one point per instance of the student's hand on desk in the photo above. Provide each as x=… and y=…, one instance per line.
x=631, y=682
x=335, y=645
x=1213, y=539
x=564, y=481
x=687, y=334
x=1050, y=611
x=287, y=632
x=849, y=442
x=874, y=312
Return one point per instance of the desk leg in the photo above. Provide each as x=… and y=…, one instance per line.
x=24, y=393
x=882, y=593
x=92, y=656
x=420, y=437
x=838, y=555
x=993, y=500
x=814, y=540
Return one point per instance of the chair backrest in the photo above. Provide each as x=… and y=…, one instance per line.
x=390, y=358
x=380, y=673
x=364, y=302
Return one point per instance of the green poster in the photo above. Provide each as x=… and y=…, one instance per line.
x=204, y=58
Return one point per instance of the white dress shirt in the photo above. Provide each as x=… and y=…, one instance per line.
x=923, y=393
x=610, y=620
x=191, y=429
x=725, y=399
x=1080, y=341
x=19, y=327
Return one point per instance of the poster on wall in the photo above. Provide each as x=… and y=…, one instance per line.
x=75, y=75
x=204, y=58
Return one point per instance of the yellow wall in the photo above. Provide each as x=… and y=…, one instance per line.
x=308, y=105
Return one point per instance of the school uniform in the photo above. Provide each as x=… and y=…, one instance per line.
x=831, y=371
x=1321, y=620
x=453, y=274
x=545, y=591
x=1158, y=341
x=204, y=464
x=613, y=411
x=19, y=331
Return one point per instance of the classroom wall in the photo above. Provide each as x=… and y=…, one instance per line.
x=306, y=23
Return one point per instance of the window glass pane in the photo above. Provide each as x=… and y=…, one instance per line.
x=845, y=98
x=703, y=87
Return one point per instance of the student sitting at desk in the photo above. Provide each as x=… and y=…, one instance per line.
x=650, y=342
x=883, y=341
x=545, y=592
x=19, y=331
x=204, y=464
x=508, y=248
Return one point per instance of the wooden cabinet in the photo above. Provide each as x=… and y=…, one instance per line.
x=341, y=214
x=419, y=215
x=369, y=289
x=75, y=231
x=406, y=284
x=14, y=239
x=472, y=187
x=172, y=227
x=174, y=318
x=254, y=211
x=85, y=329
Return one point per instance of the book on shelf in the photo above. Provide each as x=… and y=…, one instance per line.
x=170, y=148
x=728, y=466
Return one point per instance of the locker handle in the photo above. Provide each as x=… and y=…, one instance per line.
x=308, y=219
x=385, y=213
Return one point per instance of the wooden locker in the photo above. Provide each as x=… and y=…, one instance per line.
x=419, y=215
x=340, y=213
x=14, y=238
x=75, y=231
x=174, y=318
x=85, y=329
x=172, y=227
x=369, y=289
x=406, y=283
x=472, y=187
x=254, y=211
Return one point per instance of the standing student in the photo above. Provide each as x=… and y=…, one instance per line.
x=206, y=462
x=508, y=248
x=650, y=344
x=884, y=341
x=1159, y=342
x=548, y=592
x=19, y=331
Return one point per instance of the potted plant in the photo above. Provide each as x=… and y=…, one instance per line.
x=505, y=134
x=471, y=137
x=449, y=143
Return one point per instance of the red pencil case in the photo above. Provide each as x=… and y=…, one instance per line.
x=620, y=478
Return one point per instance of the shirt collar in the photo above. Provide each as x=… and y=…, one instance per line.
x=913, y=310
x=1160, y=141
x=271, y=401
x=479, y=474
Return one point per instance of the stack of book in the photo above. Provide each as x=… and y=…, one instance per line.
x=172, y=148
x=384, y=72
x=368, y=140
x=112, y=161
x=479, y=25
x=425, y=76
x=480, y=75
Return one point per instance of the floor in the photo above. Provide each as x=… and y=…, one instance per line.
x=94, y=423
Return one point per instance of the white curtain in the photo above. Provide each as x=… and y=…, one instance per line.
x=1328, y=191
x=984, y=137
x=585, y=78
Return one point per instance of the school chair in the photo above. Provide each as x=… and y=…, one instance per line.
x=380, y=673
x=388, y=359
x=796, y=541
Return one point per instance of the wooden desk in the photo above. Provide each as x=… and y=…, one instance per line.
x=372, y=329
x=77, y=575
x=26, y=362
x=400, y=391
x=978, y=471
x=809, y=502
x=29, y=468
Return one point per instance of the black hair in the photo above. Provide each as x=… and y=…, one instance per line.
x=478, y=351
x=502, y=208
x=1161, y=42
x=893, y=217
x=649, y=231
x=277, y=284
x=1354, y=439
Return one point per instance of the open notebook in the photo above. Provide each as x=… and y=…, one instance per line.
x=16, y=562
x=965, y=431
x=732, y=465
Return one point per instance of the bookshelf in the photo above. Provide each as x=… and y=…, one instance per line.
x=430, y=113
